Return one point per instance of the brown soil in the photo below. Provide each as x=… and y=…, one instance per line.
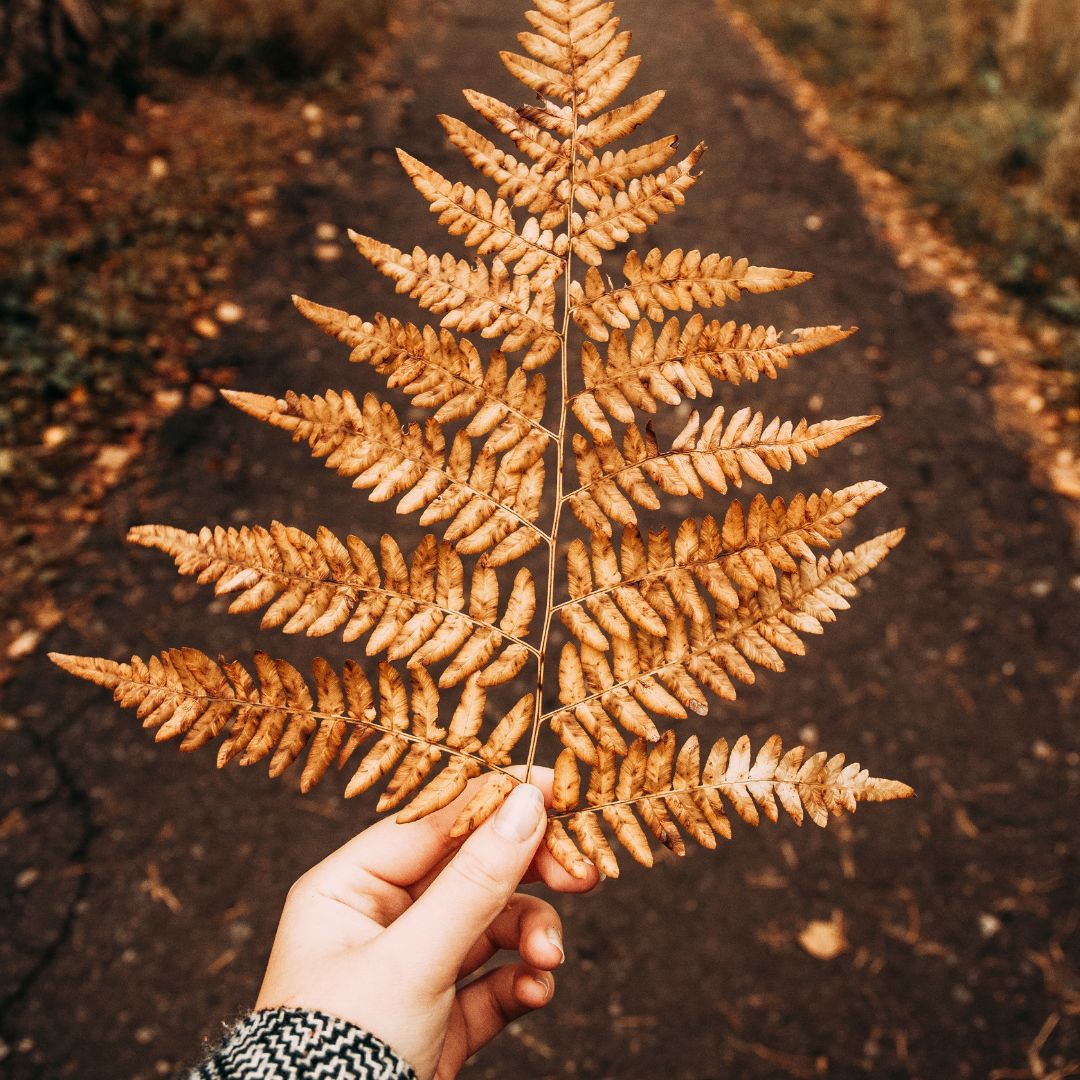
x=143, y=889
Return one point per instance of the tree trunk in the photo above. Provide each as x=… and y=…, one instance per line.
x=51, y=51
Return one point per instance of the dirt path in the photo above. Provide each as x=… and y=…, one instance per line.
x=144, y=889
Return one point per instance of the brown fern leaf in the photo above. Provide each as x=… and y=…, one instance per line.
x=487, y=224
x=530, y=186
x=548, y=153
x=437, y=370
x=644, y=674
x=183, y=693
x=617, y=124
x=595, y=179
x=721, y=562
x=316, y=585
x=493, y=510
x=676, y=281
x=658, y=620
x=683, y=361
x=577, y=55
x=612, y=220
x=656, y=785
x=613, y=480
x=547, y=191
x=471, y=298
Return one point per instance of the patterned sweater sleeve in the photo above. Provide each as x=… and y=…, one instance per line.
x=295, y=1044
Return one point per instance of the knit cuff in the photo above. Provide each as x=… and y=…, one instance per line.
x=295, y=1044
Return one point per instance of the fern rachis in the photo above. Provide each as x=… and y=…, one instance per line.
x=660, y=623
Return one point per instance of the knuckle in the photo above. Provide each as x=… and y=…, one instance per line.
x=473, y=871
x=499, y=1006
x=301, y=888
x=534, y=910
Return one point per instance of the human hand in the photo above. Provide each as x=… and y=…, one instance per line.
x=382, y=932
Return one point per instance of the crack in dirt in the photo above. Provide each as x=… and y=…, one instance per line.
x=78, y=799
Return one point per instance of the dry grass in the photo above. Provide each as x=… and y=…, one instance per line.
x=975, y=104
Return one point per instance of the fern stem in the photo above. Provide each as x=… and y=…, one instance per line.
x=694, y=564
x=689, y=452
x=650, y=796
x=560, y=456
x=243, y=703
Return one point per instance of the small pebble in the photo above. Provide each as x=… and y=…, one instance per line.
x=1041, y=750
x=24, y=879
x=168, y=401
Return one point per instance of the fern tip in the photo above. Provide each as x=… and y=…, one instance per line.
x=94, y=669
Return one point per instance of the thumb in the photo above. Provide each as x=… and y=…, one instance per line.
x=460, y=904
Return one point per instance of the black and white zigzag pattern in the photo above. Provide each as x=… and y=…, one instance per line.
x=294, y=1044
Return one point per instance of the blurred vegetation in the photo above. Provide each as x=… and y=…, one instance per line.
x=280, y=39
x=975, y=104
x=124, y=204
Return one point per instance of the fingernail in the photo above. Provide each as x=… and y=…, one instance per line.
x=519, y=816
x=545, y=982
x=555, y=938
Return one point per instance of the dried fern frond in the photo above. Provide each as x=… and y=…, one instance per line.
x=316, y=585
x=492, y=503
x=699, y=457
x=652, y=624
x=437, y=371
x=636, y=679
x=648, y=586
x=676, y=281
x=682, y=361
x=471, y=297
x=668, y=791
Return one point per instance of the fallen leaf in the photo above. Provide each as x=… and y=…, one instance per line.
x=168, y=401
x=824, y=939
x=159, y=891
x=228, y=312
x=112, y=459
x=201, y=395
x=205, y=327
x=23, y=645
x=54, y=435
